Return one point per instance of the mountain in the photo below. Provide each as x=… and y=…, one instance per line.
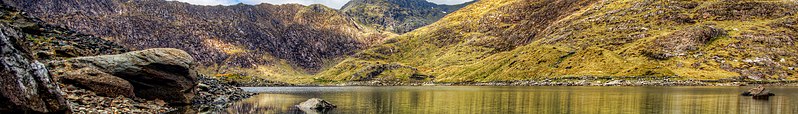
x=398, y=16
x=270, y=40
x=510, y=40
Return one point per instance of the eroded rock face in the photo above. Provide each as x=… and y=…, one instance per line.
x=680, y=42
x=100, y=82
x=160, y=73
x=25, y=86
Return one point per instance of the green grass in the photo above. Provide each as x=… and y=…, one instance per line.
x=604, y=39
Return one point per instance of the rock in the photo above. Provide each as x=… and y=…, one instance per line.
x=25, y=85
x=316, y=104
x=100, y=82
x=215, y=95
x=203, y=86
x=758, y=93
x=160, y=73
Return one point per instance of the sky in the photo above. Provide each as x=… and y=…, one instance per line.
x=329, y=3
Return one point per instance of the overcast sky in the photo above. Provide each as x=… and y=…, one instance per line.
x=329, y=3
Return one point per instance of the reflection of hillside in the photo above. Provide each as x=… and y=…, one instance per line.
x=502, y=100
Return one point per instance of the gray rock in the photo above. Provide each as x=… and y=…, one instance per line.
x=614, y=83
x=160, y=73
x=25, y=85
x=214, y=95
x=100, y=82
x=758, y=93
x=316, y=104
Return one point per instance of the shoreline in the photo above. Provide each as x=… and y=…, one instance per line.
x=551, y=83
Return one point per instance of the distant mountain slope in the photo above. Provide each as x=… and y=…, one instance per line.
x=506, y=40
x=398, y=16
x=286, y=39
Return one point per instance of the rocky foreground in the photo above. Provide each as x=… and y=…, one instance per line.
x=147, y=81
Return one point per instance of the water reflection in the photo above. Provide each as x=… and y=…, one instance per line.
x=503, y=100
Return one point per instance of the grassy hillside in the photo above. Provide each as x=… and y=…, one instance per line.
x=504, y=40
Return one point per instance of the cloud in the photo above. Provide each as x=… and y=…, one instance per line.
x=336, y=4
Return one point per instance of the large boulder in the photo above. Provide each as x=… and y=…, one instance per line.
x=315, y=105
x=25, y=86
x=758, y=93
x=102, y=83
x=161, y=73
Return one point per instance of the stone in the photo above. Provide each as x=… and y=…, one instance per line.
x=758, y=93
x=25, y=85
x=317, y=105
x=215, y=95
x=160, y=73
x=102, y=83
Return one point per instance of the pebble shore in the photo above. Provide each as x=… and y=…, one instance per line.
x=212, y=96
x=82, y=101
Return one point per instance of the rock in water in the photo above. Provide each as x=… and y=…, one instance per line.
x=758, y=93
x=161, y=73
x=25, y=86
x=316, y=104
x=100, y=82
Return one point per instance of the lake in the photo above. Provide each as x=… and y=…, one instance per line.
x=520, y=99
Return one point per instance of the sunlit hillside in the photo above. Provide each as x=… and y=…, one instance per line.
x=505, y=40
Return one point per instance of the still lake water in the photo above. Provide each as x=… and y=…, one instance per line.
x=520, y=99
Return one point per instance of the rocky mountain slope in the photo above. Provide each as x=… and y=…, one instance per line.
x=507, y=40
x=269, y=40
x=398, y=16
x=27, y=44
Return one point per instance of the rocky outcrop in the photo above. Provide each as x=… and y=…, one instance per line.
x=162, y=73
x=398, y=16
x=683, y=41
x=25, y=86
